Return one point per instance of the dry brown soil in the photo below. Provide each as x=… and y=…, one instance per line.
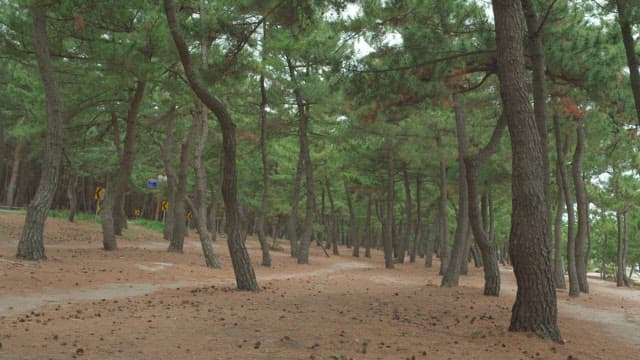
x=141, y=302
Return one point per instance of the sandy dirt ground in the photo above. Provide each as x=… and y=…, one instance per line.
x=141, y=302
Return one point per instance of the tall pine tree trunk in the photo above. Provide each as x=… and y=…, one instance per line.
x=388, y=226
x=31, y=243
x=624, y=20
x=443, y=212
x=535, y=307
x=243, y=270
x=452, y=274
x=264, y=205
x=558, y=266
x=581, y=202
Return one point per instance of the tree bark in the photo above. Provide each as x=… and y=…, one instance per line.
x=482, y=230
x=536, y=50
x=176, y=243
x=452, y=275
x=128, y=157
x=582, y=207
x=264, y=205
x=574, y=286
x=352, y=221
x=388, y=228
x=418, y=223
x=408, y=212
x=31, y=243
x=443, y=213
x=621, y=258
x=558, y=266
x=624, y=20
x=368, y=233
x=292, y=220
x=244, y=273
x=15, y=170
x=535, y=307
x=307, y=227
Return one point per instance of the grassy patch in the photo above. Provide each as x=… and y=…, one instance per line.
x=64, y=214
x=149, y=224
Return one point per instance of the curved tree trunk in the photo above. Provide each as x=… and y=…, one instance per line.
x=535, y=307
x=302, y=251
x=244, y=273
x=574, y=286
x=452, y=275
x=624, y=20
x=558, y=266
x=127, y=159
x=581, y=202
x=31, y=243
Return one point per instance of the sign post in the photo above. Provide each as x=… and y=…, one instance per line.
x=99, y=195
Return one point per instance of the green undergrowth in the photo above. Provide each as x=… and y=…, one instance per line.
x=149, y=224
x=64, y=214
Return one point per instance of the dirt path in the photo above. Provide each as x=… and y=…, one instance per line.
x=145, y=303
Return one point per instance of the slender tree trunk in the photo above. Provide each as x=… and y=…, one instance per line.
x=582, y=205
x=452, y=275
x=170, y=172
x=352, y=221
x=558, y=266
x=128, y=157
x=443, y=213
x=464, y=265
x=106, y=216
x=292, y=220
x=418, y=223
x=244, y=273
x=603, y=265
x=388, y=236
x=624, y=20
x=481, y=220
x=31, y=243
x=71, y=196
x=368, y=233
x=176, y=243
x=574, y=286
x=535, y=308
x=334, y=234
x=620, y=259
x=264, y=206
x=408, y=221
x=15, y=170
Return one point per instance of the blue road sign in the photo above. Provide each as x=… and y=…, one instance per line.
x=152, y=183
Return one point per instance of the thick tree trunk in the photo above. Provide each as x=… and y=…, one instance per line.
x=624, y=20
x=106, y=216
x=388, y=233
x=561, y=150
x=581, y=202
x=244, y=273
x=535, y=307
x=443, y=212
x=31, y=243
x=536, y=50
x=452, y=275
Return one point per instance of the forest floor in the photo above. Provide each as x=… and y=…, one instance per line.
x=141, y=302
